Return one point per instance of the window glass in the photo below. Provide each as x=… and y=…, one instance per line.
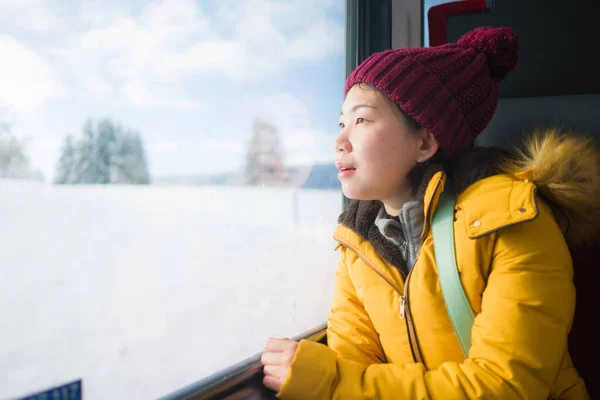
x=427, y=4
x=168, y=191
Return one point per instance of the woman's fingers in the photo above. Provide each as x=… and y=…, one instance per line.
x=277, y=344
x=277, y=359
x=272, y=382
x=274, y=370
x=270, y=358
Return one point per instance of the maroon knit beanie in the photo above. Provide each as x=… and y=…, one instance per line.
x=451, y=90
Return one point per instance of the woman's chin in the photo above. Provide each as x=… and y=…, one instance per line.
x=353, y=193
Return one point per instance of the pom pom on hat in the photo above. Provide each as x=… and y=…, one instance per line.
x=500, y=45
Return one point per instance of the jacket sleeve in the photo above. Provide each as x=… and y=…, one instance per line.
x=350, y=332
x=518, y=341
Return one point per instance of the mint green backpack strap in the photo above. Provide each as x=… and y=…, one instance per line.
x=456, y=301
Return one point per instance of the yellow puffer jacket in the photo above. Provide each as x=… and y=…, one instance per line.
x=391, y=336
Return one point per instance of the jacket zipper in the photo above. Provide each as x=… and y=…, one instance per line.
x=404, y=303
x=405, y=313
x=404, y=310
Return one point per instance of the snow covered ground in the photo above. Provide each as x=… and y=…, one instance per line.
x=140, y=291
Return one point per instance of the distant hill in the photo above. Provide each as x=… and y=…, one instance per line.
x=321, y=176
x=222, y=179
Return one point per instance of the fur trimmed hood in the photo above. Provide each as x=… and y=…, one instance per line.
x=566, y=170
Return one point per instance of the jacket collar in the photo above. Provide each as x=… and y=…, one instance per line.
x=357, y=222
x=513, y=202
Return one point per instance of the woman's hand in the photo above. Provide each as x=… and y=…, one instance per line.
x=277, y=358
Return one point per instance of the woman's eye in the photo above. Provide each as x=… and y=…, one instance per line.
x=360, y=120
x=341, y=124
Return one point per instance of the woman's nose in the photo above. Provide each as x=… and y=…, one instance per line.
x=342, y=144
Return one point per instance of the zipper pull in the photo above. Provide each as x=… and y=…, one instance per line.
x=402, y=304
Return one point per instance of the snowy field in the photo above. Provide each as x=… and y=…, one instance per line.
x=140, y=291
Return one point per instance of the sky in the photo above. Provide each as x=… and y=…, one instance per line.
x=190, y=76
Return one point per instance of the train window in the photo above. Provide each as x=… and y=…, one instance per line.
x=168, y=190
x=427, y=4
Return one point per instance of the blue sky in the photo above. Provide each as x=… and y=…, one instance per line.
x=191, y=76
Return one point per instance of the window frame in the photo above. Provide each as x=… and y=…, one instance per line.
x=240, y=381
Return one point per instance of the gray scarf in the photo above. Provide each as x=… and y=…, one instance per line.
x=404, y=232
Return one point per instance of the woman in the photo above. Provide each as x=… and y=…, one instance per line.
x=406, y=126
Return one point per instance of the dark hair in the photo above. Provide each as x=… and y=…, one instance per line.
x=416, y=174
x=412, y=123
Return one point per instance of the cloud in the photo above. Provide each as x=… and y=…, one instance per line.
x=33, y=15
x=169, y=41
x=308, y=147
x=142, y=96
x=89, y=14
x=231, y=146
x=146, y=52
x=164, y=146
x=95, y=85
x=26, y=79
x=275, y=35
x=204, y=145
x=284, y=110
x=218, y=57
x=316, y=43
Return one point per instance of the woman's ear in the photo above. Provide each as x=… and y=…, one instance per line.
x=428, y=146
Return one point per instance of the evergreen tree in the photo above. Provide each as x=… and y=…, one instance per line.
x=129, y=163
x=106, y=147
x=65, y=163
x=85, y=159
x=106, y=155
x=13, y=161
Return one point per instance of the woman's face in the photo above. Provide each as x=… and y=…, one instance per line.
x=376, y=148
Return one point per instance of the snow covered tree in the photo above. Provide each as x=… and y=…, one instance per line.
x=13, y=161
x=64, y=167
x=85, y=159
x=129, y=162
x=105, y=155
x=106, y=150
x=265, y=164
